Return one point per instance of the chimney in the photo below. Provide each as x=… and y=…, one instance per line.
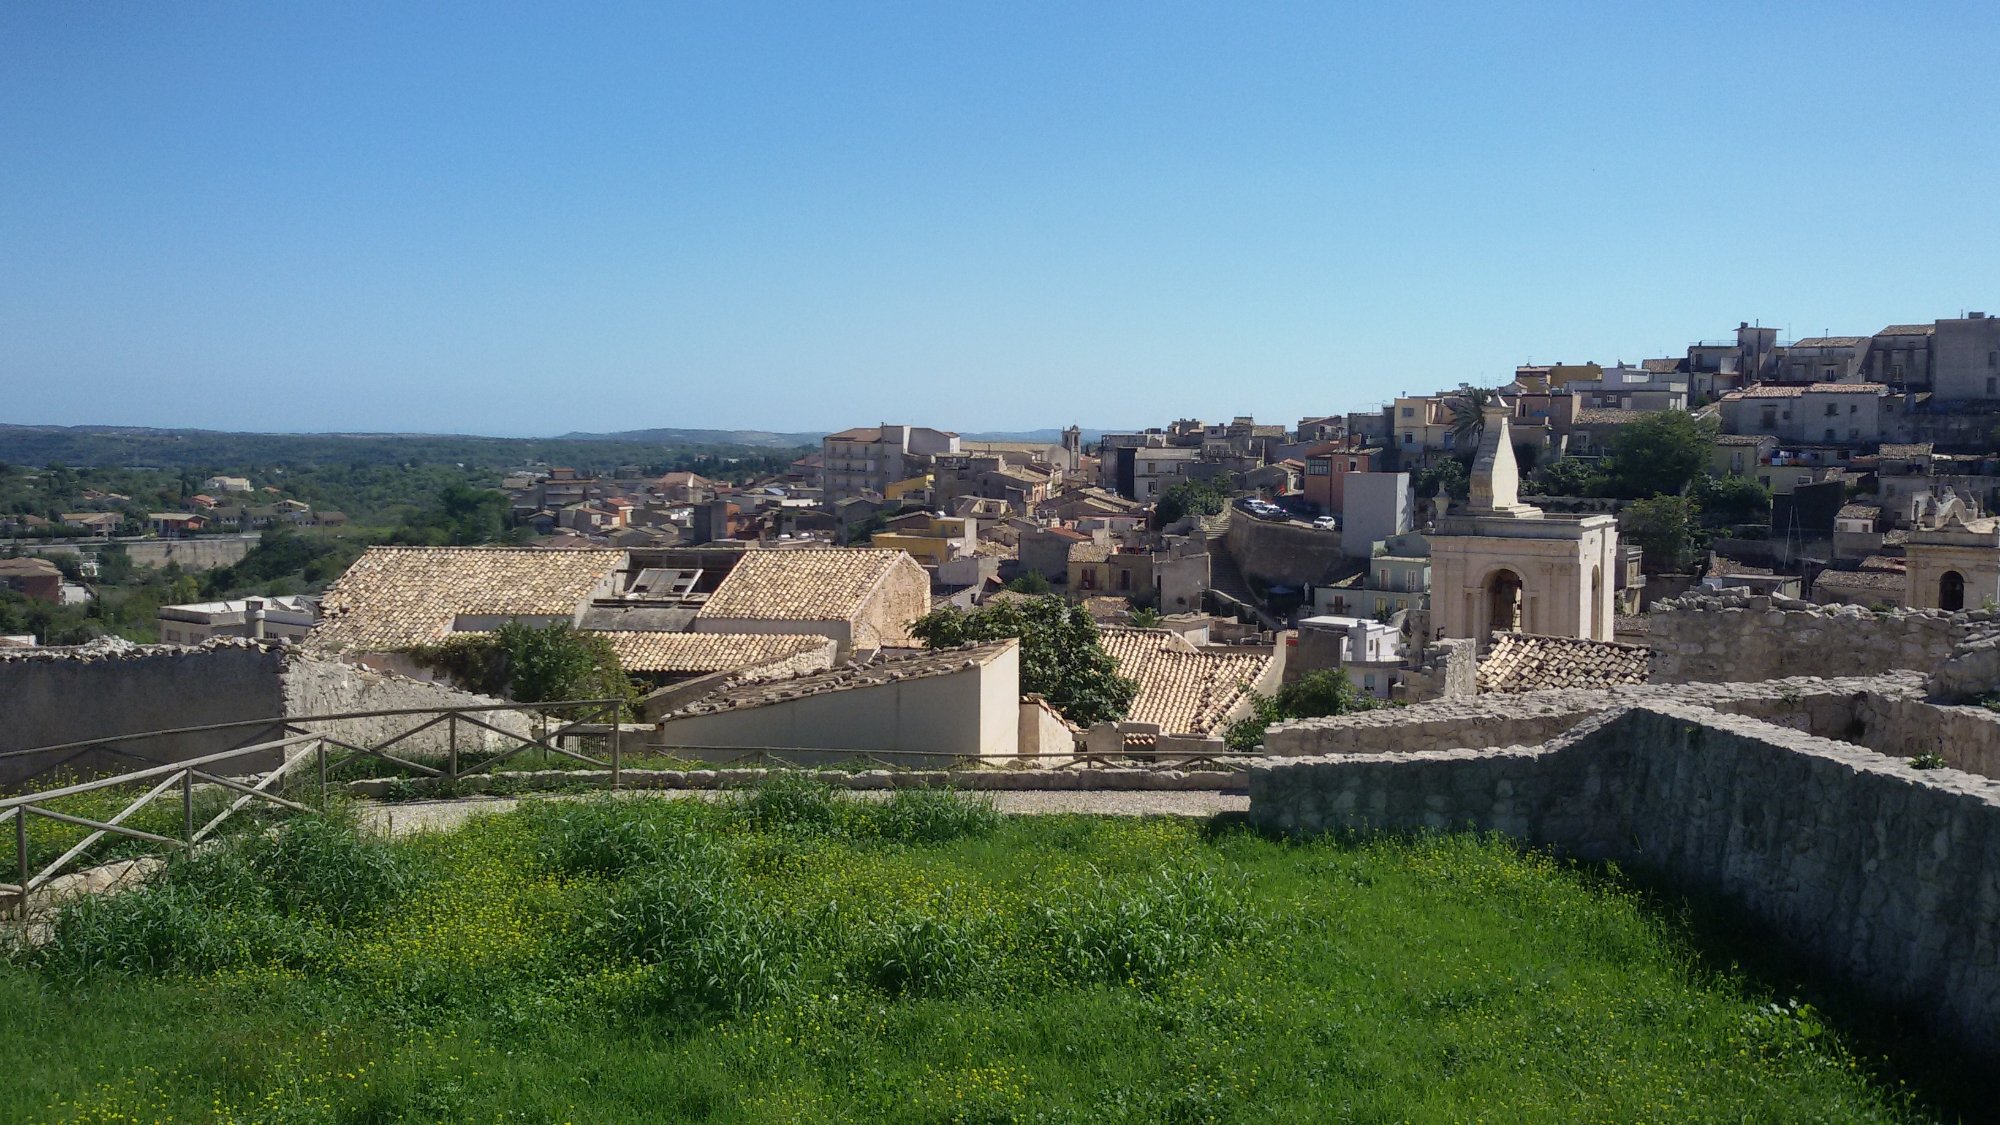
x=253, y=617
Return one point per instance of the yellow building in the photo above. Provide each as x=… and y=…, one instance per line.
x=903, y=488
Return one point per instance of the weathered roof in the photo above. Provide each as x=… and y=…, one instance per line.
x=706, y=652
x=894, y=669
x=1918, y=449
x=1525, y=662
x=1662, y=366
x=1860, y=512
x=1184, y=689
x=395, y=597
x=1745, y=439
x=1860, y=580
x=1895, y=563
x=28, y=568
x=1089, y=552
x=1766, y=390
x=1909, y=330
x=1608, y=416
x=808, y=584
x=1830, y=342
x=867, y=433
x=1848, y=388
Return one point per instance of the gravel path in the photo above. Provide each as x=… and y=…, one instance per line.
x=406, y=817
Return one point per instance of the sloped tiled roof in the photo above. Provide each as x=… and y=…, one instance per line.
x=1744, y=439
x=1919, y=449
x=1909, y=330
x=706, y=652
x=395, y=597
x=1860, y=512
x=1662, y=366
x=1525, y=662
x=1848, y=388
x=1183, y=689
x=1830, y=342
x=26, y=567
x=1860, y=580
x=849, y=677
x=1608, y=416
x=811, y=584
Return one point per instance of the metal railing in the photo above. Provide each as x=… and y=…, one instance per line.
x=297, y=744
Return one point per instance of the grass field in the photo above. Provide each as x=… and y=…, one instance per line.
x=800, y=957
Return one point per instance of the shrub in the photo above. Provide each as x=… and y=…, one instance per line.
x=925, y=955
x=932, y=816
x=320, y=866
x=1138, y=935
x=794, y=801
x=607, y=837
x=708, y=948
x=1929, y=760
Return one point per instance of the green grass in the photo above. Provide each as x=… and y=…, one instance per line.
x=800, y=956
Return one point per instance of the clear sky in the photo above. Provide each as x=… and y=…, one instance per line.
x=529, y=219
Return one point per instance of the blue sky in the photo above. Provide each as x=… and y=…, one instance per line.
x=528, y=219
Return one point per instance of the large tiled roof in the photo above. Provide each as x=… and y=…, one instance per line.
x=395, y=597
x=1919, y=449
x=1848, y=388
x=1860, y=580
x=28, y=568
x=1744, y=439
x=1607, y=416
x=1525, y=662
x=922, y=665
x=1662, y=366
x=811, y=584
x=871, y=433
x=1830, y=342
x=706, y=652
x=1184, y=689
x=1860, y=512
x=1909, y=330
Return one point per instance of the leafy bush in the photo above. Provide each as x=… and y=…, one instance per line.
x=1062, y=658
x=532, y=664
x=932, y=816
x=1929, y=760
x=1311, y=696
x=1188, y=498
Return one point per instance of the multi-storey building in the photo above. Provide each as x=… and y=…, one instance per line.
x=868, y=460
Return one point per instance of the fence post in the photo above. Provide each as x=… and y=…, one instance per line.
x=321, y=750
x=451, y=722
x=187, y=807
x=617, y=744
x=21, y=866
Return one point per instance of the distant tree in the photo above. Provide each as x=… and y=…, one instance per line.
x=1568, y=477
x=1311, y=696
x=1452, y=474
x=1665, y=527
x=1145, y=617
x=531, y=664
x=1731, y=499
x=1062, y=656
x=1032, y=583
x=1468, y=416
x=1661, y=453
x=1189, y=497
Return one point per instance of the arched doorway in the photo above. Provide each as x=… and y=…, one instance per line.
x=1503, y=602
x=1951, y=590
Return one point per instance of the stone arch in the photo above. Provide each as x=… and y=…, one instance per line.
x=1951, y=590
x=1502, y=598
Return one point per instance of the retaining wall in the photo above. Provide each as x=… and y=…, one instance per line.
x=1283, y=554
x=1887, y=876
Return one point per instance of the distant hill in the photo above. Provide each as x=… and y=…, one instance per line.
x=703, y=437
x=1051, y=436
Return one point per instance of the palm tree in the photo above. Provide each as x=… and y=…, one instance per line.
x=1468, y=417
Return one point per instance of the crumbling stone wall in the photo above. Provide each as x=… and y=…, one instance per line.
x=1448, y=669
x=1887, y=876
x=1726, y=637
x=327, y=687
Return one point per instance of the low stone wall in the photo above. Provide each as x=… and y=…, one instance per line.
x=326, y=687
x=1109, y=779
x=1888, y=877
x=1738, y=637
x=1822, y=705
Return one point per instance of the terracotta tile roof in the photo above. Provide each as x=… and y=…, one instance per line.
x=1089, y=552
x=1766, y=390
x=1524, y=662
x=1860, y=580
x=1661, y=366
x=1184, y=689
x=707, y=652
x=394, y=597
x=1894, y=563
x=1848, y=388
x=1744, y=439
x=872, y=433
x=894, y=669
x=1830, y=342
x=809, y=584
x=1909, y=330
x=1860, y=512
x=28, y=568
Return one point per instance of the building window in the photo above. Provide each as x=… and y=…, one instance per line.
x=1411, y=439
x=1832, y=409
x=1990, y=381
x=1829, y=435
x=1409, y=412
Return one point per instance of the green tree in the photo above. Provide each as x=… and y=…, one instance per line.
x=532, y=664
x=1660, y=454
x=1452, y=474
x=1664, y=527
x=1062, y=657
x=1568, y=477
x=1731, y=499
x=1468, y=417
x=1189, y=497
x=1326, y=691
x=1032, y=583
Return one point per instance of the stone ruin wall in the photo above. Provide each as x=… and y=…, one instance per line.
x=1887, y=876
x=1735, y=637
